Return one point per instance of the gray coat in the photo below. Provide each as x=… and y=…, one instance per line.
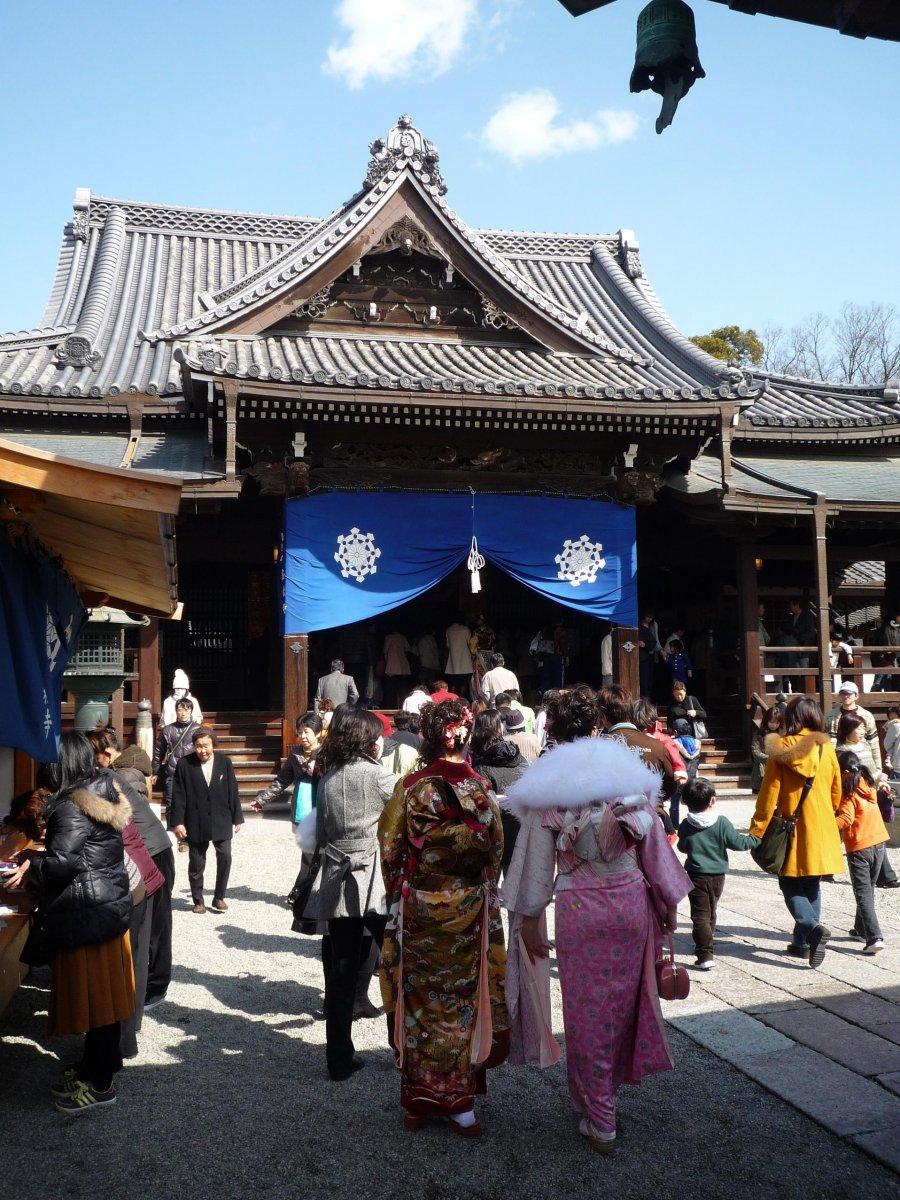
x=349, y=802
x=338, y=688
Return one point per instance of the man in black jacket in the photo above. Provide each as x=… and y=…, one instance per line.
x=206, y=808
x=173, y=743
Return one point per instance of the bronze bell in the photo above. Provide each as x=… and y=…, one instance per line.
x=666, y=60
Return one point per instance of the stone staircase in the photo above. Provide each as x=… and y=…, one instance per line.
x=725, y=762
x=252, y=740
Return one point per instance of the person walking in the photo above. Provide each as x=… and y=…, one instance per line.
x=772, y=721
x=297, y=770
x=615, y=709
x=848, y=697
x=131, y=767
x=685, y=707
x=705, y=837
x=459, y=666
x=501, y=763
x=181, y=690
x=591, y=841
x=173, y=742
x=649, y=650
x=397, y=670
x=804, y=752
x=865, y=838
x=206, y=808
x=337, y=686
x=347, y=891
x=443, y=955
x=498, y=679
x=85, y=900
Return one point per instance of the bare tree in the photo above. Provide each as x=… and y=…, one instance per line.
x=861, y=345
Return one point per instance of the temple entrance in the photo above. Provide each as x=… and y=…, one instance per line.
x=513, y=613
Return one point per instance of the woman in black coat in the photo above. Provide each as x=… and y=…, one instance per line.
x=501, y=763
x=85, y=907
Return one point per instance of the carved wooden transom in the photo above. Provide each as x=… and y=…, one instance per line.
x=402, y=283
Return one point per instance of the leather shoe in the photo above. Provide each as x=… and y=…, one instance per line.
x=220, y=906
x=355, y=1064
x=890, y=883
x=199, y=907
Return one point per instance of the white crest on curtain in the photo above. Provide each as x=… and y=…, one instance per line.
x=580, y=560
x=357, y=555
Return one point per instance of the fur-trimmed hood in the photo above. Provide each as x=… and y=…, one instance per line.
x=103, y=811
x=588, y=771
x=799, y=751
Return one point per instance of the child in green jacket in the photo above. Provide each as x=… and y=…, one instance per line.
x=706, y=837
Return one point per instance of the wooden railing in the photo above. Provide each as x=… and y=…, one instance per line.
x=862, y=672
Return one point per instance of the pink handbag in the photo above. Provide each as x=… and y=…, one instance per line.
x=672, y=979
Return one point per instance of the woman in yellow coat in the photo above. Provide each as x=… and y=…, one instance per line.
x=803, y=752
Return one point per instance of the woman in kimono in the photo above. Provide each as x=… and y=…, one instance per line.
x=590, y=836
x=443, y=956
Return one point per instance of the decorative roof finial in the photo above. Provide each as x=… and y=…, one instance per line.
x=405, y=145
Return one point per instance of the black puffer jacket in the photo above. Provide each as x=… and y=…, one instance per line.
x=501, y=765
x=85, y=896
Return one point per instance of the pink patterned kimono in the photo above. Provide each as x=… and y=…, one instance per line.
x=591, y=837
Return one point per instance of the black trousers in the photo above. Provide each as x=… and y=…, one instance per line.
x=139, y=932
x=102, y=1056
x=704, y=899
x=159, y=970
x=348, y=947
x=197, y=863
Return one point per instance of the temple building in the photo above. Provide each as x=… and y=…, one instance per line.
x=391, y=350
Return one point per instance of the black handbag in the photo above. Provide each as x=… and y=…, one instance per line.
x=775, y=845
x=300, y=894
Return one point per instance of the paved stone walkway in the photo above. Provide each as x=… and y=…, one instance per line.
x=229, y=1096
x=827, y=1041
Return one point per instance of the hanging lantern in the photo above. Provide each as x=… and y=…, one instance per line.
x=666, y=60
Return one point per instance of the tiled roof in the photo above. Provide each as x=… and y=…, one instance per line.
x=863, y=574
x=180, y=452
x=796, y=477
x=437, y=365
x=135, y=282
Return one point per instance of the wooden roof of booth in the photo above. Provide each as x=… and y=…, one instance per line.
x=113, y=529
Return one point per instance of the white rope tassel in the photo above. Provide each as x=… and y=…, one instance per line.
x=476, y=562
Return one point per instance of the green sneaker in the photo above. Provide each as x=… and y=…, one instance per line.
x=83, y=1098
x=65, y=1086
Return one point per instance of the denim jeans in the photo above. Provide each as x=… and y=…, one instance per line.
x=804, y=901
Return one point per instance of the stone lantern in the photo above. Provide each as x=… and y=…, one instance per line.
x=97, y=668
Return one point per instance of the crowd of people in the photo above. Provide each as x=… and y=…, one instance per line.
x=415, y=833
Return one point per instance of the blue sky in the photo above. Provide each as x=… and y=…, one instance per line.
x=773, y=195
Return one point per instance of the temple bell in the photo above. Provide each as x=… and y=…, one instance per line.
x=666, y=59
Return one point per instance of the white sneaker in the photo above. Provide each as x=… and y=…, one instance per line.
x=706, y=965
x=874, y=946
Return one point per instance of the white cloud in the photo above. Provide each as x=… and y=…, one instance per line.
x=391, y=39
x=527, y=126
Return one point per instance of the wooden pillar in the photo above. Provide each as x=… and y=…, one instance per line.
x=748, y=605
x=231, y=402
x=625, y=659
x=150, y=682
x=825, y=692
x=24, y=771
x=296, y=685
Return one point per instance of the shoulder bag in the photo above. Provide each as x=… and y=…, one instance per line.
x=772, y=852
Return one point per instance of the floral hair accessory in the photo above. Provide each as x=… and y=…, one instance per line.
x=457, y=734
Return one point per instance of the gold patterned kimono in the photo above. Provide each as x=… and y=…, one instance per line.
x=443, y=959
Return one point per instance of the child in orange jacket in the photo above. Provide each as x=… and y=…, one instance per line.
x=865, y=839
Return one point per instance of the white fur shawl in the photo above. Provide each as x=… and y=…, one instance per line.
x=576, y=774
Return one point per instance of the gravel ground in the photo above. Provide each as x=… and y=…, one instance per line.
x=230, y=1095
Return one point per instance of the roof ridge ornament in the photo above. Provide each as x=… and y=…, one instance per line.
x=405, y=145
